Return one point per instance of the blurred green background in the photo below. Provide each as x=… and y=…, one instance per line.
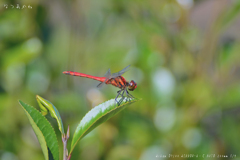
x=184, y=56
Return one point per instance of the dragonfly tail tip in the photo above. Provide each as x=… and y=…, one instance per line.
x=65, y=72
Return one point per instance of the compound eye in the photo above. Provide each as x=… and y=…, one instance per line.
x=132, y=85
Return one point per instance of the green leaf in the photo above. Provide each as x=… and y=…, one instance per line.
x=95, y=117
x=44, y=131
x=46, y=106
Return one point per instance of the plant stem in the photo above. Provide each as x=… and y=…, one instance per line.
x=65, y=138
x=69, y=157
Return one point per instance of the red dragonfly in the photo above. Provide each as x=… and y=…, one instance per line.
x=115, y=79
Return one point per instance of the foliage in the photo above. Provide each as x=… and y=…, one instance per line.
x=184, y=58
x=44, y=131
x=95, y=117
x=46, y=135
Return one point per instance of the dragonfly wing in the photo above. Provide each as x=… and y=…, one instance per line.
x=114, y=75
x=107, y=76
x=100, y=84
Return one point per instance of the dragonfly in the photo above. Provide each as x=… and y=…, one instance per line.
x=115, y=79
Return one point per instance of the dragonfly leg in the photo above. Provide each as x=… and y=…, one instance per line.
x=121, y=100
x=129, y=95
x=119, y=93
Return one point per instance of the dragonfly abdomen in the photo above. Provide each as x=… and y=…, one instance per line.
x=101, y=79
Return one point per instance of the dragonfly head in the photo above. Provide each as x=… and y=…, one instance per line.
x=132, y=85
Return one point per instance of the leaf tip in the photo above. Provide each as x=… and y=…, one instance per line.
x=20, y=102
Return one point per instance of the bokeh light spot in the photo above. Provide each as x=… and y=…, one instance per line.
x=165, y=118
x=163, y=82
x=191, y=138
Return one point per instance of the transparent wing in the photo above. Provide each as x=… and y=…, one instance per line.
x=114, y=75
x=107, y=75
x=100, y=85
